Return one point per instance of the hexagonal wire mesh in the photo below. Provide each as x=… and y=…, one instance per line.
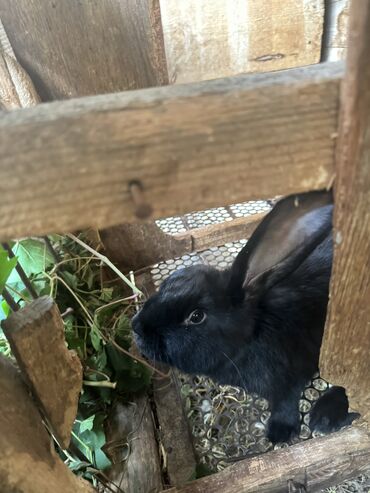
x=228, y=423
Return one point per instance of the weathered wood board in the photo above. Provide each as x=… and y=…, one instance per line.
x=134, y=246
x=88, y=47
x=345, y=353
x=36, y=336
x=69, y=165
x=28, y=462
x=309, y=466
x=132, y=447
x=205, y=40
x=16, y=88
x=174, y=435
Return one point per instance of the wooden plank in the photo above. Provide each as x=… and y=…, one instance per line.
x=36, y=337
x=16, y=88
x=307, y=466
x=69, y=165
x=205, y=40
x=219, y=234
x=132, y=447
x=346, y=345
x=28, y=462
x=174, y=434
x=134, y=246
x=88, y=47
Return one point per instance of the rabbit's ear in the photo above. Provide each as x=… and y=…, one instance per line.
x=282, y=241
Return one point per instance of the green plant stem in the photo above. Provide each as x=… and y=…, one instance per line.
x=90, y=457
x=106, y=261
x=103, y=383
x=74, y=295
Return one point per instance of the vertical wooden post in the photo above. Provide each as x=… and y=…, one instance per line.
x=345, y=353
x=28, y=462
x=54, y=374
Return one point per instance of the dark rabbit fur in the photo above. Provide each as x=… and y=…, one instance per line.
x=258, y=324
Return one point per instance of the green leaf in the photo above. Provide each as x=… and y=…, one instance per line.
x=98, y=361
x=70, y=279
x=33, y=256
x=118, y=360
x=6, y=267
x=5, y=308
x=135, y=380
x=101, y=460
x=95, y=336
x=106, y=294
x=87, y=424
x=95, y=439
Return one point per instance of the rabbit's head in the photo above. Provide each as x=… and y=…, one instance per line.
x=190, y=320
x=201, y=318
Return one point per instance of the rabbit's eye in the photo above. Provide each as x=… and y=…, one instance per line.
x=196, y=317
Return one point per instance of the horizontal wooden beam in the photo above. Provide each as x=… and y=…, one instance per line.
x=307, y=466
x=219, y=234
x=134, y=246
x=69, y=165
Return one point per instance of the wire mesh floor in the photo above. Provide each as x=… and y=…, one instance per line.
x=226, y=422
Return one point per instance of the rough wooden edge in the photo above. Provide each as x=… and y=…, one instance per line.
x=28, y=461
x=219, y=234
x=16, y=87
x=36, y=336
x=132, y=447
x=172, y=140
x=307, y=466
x=346, y=344
x=134, y=246
x=174, y=435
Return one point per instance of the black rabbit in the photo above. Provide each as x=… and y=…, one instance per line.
x=258, y=324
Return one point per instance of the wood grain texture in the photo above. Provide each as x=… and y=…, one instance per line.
x=134, y=246
x=28, y=462
x=219, y=234
x=345, y=353
x=75, y=48
x=68, y=165
x=174, y=434
x=205, y=40
x=132, y=448
x=36, y=336
x=16, y=88
x=307, y=466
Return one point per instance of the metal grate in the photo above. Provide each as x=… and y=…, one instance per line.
x=177, y=224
